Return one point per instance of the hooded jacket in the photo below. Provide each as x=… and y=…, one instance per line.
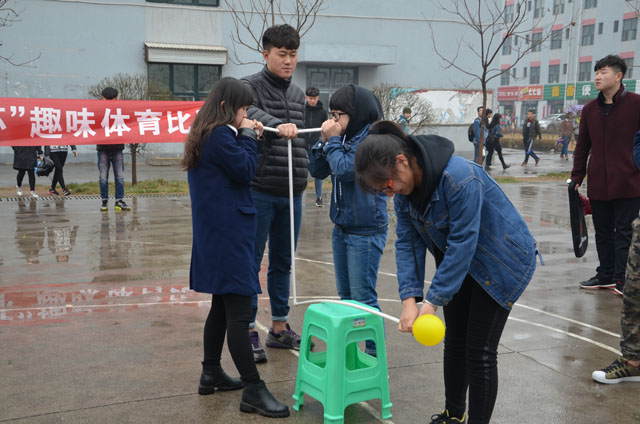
x=352, y=210
x=277, y=101
x=604, y=151
x=467, y=223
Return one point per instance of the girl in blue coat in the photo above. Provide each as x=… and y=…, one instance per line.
x=220, y=156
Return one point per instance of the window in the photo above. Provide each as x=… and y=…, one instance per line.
x=524, y=72
x=554, y=73
x=527, y=39
x=558, y=7
x=329, y=79
x=587, y=35
x=556, y=39
x=567, y=32
x=615, y=26
x=506, y=46
x=538, y=10
x=534, y=75
x=584, y=72
x=590, y=4
x=629, y=62
x=536, y=41
x=529, y=6
x=600, y=27
x=508, y=14
x=513, y=72
x=564, y=69
x=504, y=78
x=629, y=29
x=186, y=82
x=189, y=2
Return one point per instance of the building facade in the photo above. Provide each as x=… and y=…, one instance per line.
x=567, y=39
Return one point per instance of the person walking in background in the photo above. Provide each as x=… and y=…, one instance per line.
x=220, y=157
x=360, y=218
x=314, y=115
x=111, y=155
x=566, y=131
x=530, y=130
x=403, y=120
x=493, y=142
x=58, y=155
x=476, y=126
x=608, y=126
x=25, y=160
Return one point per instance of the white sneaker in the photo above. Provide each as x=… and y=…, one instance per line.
x=19, y=190
x=34, y=195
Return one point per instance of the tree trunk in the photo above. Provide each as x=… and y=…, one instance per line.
x=134, y=175
x=482, y=122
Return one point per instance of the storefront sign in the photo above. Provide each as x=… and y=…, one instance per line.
x=508, y=94
x=531, y=92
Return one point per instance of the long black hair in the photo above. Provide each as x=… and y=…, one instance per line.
x=376, y=154
x=215, y=113
x=495, y=120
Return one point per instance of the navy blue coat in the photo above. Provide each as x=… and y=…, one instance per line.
x=223, y=215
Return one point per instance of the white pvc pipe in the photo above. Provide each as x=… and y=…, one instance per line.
x=352, y=305
x=300, y=131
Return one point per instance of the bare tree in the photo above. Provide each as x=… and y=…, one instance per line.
x=251, y=20
x=8, y=17
x=493, y=26
x=132, y=87
x=394, y=98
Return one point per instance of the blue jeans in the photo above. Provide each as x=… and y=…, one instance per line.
x=356, y=260
x=318, y=183
x=105, y=159
x=274, y=224
x=565, y=145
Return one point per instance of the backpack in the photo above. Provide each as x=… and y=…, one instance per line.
x=470, y=134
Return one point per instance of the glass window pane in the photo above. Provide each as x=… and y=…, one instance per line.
x=207, y=76
x=183, y=78
x=208, y=2
x=317, y=77
x=159, y=73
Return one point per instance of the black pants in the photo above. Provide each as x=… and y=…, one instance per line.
x=612, y=221
x=494, y=146
x=58, y=158
x=32, y=178
x=474, y=325
x=230, y=315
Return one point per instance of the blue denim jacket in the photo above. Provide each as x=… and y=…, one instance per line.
x=478, y=229
x=353, y=210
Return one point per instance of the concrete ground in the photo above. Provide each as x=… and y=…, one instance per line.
x=97, y=323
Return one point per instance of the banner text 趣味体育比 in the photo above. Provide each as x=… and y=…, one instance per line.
x=47, y=122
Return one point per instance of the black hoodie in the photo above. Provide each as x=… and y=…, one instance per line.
x=368, y=110
x=432, y=153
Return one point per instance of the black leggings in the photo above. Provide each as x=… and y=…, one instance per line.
x=58, y=158
x=230, y=314
x=32, y=178
x=474, y=326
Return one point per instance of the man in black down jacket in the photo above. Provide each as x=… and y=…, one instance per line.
x=277, y=103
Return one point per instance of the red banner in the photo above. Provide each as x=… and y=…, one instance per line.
x=47, y=122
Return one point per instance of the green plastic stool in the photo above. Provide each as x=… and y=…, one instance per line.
x=343, y=374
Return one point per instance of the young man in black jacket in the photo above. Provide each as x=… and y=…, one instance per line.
x=277, y=103
x=314, y=115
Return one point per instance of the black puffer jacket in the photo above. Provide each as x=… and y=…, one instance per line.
x=314, y=116
x=25, y=157
x=277, y=101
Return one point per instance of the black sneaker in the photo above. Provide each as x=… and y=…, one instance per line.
x=53, y=192
x=105, y=203
x=66, y=192
x=444, y=418
x=259, y=355
x=506, y=166
x=121, y=206
x=286, y=339
x=596, y=283
x=319, y=202
x=619, y=289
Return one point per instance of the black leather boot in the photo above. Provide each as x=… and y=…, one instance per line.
x=214, y=378
x=257, y=398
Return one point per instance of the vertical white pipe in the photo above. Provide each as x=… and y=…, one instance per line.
x=291, y=222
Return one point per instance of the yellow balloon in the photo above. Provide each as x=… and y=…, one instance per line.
x=428, y=330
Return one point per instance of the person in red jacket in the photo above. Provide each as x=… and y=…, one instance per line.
x=607, y=129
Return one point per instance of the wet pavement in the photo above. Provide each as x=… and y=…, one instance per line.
x=97, y=323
